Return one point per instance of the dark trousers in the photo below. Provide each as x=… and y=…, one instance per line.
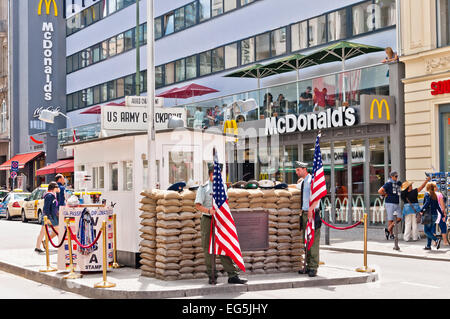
x=226, y=261
x=312, y=258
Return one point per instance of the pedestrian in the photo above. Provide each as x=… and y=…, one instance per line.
x=51, y=211
x=411, y=207
x=305, y=101
x=431, y=203
x=312, y=258
x=203, y=203
x=443, y=220
x=61, y=196
x=391, y=192
x=391, y=56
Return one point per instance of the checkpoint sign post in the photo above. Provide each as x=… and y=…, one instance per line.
x=14, y=171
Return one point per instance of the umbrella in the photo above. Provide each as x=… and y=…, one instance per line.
x=291, y=63
x=192, y=90
x=257, y=71
x=340, y=52
x=98, y=108
x=169, y=94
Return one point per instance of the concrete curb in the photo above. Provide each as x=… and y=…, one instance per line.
x=90, y=292
x=382, y=253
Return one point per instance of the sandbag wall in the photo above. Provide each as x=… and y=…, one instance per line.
x=171, y=245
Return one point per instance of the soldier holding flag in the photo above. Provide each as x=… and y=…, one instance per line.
x=204, y=203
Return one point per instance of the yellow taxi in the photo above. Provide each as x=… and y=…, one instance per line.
x=32, y=207
x=10, y=205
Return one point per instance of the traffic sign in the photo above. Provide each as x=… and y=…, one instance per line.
x=13, y=174
x=15, y=166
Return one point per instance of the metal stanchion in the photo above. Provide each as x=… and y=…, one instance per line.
x=72, y=274
x=104, y=283
x=115, y=264
x=47, y=257
x=365, y=268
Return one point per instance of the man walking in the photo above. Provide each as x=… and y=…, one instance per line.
x=61, y=181
x=307, y=213
x=203, y=203
x=391, y=191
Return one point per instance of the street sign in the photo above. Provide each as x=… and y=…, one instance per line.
x=15, y=166
x=142, y=101
x=13, y=174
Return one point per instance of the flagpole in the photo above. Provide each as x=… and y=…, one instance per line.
x=213, y=234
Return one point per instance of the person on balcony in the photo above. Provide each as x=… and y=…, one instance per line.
x=305, y=101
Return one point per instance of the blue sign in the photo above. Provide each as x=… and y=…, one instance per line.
x=15, y=166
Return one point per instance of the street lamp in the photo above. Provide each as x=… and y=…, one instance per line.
x=48, y=116
x=151, y=151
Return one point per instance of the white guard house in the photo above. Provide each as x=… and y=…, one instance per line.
x=118, y=169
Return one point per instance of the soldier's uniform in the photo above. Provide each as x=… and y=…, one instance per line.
x=204, y=198
x=312, y=259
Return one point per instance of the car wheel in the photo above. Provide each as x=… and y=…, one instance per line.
x=24, y=218
x=8, y=216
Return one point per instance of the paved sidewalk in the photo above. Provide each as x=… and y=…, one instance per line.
x=129, y=283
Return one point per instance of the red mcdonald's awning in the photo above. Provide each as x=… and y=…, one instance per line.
x=23, y=159
x=63, y=166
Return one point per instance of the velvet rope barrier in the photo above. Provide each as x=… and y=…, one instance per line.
x=53, y=228
x=79, y=244
x=50, y=239
x=342, y=228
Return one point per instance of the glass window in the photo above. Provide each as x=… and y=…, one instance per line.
x=205, y=63
x=129, y=85
x=111, y=90
x=180, y=71
x=114, y=177
x=337, y=25
x=289, y=158
x=86, y=57
x=278, y=42
x=159, y=76
x=112, y=46
x=443, y=23
x=101, y=177
x=191, y=67
x=218, y=59
x=158, y=28
x=120, y=4
x=96, y=15
x=168, y=23
x=170, y=73
x=128, y=40
x=69, y=102
x=179, y=19
x=299, y=36
x=96, y=53
x=105, y=50
x=362, y=18
x=104, y=92
x=231, y=56
x=142, y=34
x=358, y=181
x=248, y=51
x=120, y=43
x=446, y=142
x=262, y=46
x=217, y=7
x=385, y=13
x=180, y=166
x=89, y=96
x=127, y=176
x=120, y=87
x=88, y=16
x=341, y=180
x=96, y=94
x=245, y=2
x=229, y=5
x=376, y=173
x=317, y=29
x=204, y=9
x=69, y=67
x=190, y=12
x=112, y=6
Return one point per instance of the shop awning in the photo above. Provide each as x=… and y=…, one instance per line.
x=23, y=159
x=63, y=166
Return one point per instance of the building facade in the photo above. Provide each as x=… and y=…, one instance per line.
x=425, y=51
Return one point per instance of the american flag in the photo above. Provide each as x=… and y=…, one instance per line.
x=318, y=190
x=226, y=241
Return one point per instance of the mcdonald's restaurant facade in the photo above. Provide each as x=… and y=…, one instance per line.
x=360, y=145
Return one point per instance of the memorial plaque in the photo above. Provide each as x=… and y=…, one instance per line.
x=252, y=229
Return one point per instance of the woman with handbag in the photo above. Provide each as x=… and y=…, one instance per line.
x=432, y=214
x=411, y=209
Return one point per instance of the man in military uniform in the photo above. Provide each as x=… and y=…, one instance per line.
x=203, y=203
x=312, y=259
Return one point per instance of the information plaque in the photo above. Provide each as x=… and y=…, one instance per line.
x=252, y=229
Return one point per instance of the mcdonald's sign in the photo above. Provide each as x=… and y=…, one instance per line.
x=377, y=109
x=48, y=6
x=230, y=127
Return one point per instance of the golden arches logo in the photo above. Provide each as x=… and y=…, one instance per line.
x=48, y=5
x=230, y=127
x=380, y=109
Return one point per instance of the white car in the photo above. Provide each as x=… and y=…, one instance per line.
x=10, y=206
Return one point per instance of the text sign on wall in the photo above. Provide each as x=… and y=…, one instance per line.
x=440, y=87
x=252, y=229
x=136, y=118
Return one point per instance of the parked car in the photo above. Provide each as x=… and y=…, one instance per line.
x=10, y=206
x=3, y=193
x=33, y=206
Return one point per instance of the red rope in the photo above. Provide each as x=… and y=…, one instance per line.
x=342, y=228
x=50, y=239
x=53, y=228
x=78, y=243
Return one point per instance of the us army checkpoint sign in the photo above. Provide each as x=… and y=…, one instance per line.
x=94, y=260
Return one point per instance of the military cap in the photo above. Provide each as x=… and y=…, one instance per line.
x=178, y=187
x=281, y=186
x=301, y=164
x=265, y=183
x=192, y=186
x=240, y=184
x=251, y=184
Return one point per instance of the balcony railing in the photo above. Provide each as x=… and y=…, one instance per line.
x=328, y=91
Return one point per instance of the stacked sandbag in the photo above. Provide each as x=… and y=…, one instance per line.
x=148, y=233
x=238, y=199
